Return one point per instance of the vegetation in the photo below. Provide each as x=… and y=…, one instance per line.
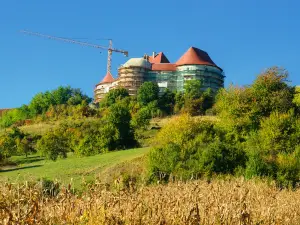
x=73, y=169
x=221, y=201
x=257, y=135
x=46, y=104
x=251, y=132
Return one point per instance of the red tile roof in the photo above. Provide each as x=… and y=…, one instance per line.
x=107, y=79
x=159, y=58
x=164, y=67
x=195, y=56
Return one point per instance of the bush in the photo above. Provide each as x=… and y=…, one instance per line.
x=272, y=151
x=187, y=148
x=97, y=140
x=288, y=171
x=219, y=157
x=243, y=108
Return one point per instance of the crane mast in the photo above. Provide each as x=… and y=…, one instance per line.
x=110, y=48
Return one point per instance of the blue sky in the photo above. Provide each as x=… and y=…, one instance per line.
x=242, y=37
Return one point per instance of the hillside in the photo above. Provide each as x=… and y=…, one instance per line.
x=73, y=170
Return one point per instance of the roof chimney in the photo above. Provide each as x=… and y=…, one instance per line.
x=153, y=54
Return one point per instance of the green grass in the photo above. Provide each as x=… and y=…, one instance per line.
x=71, y=170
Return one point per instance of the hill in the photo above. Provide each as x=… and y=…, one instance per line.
x=73, y=170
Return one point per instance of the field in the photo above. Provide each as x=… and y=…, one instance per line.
x=224, y=201
x=73, y=170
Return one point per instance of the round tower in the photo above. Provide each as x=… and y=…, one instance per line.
x=103, y=87
x=196, y=64
x=132, y=74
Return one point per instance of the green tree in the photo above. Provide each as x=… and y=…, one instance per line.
x=167, y=102
x=270, y=93
x=23, y=146
x=119, y=117
x=7, y=146
x=53, y=144
x=114, y=95
x=297, y=96
x=196, y=101
x=242, y=108
x=192, y=89
x=147, y=93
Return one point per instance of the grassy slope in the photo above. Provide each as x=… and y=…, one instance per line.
x=72, y=169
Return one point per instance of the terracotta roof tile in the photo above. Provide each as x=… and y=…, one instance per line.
x=164, y=67
x=195, y=56
x=107, y=79
x=159, y=58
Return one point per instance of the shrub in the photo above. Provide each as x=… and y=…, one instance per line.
x=97, y=140
x=187, y=147
x=288, y=172
x=243, y=108
x=272, y=151
x=141, y=119
x=219, y=157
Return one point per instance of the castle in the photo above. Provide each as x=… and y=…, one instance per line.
x=194, y=64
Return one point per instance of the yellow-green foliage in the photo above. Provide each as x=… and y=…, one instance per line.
x=297, y=96
x=243, y=108
x=180, y=129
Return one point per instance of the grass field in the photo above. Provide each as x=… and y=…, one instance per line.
x=73, y=169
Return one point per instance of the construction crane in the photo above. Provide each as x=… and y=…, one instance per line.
x=110, y=48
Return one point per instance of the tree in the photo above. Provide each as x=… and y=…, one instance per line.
x=297, y=96
x=119, y=117
x=41, y=102
x=147, y=93
x=196, y=101
x=23, y=146
x=7, y=146
x=53, y=145
x=114, y=95
x=271, y=93
x=167, y=102
x=192, y=89
x=244, y=107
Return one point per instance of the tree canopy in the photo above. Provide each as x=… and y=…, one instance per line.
x=147, y=93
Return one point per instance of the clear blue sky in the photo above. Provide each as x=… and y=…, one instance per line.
x=242, y=37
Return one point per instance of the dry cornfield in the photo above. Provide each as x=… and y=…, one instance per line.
x=233, y=201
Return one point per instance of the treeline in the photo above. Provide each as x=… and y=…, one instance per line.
x=116, y=123
x=44, y=104
x=256, y=134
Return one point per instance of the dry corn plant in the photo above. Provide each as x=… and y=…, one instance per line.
x=234, y=201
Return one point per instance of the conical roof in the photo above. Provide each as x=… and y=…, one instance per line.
x=195, y=56
x=108, y=78
x=159, y=58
